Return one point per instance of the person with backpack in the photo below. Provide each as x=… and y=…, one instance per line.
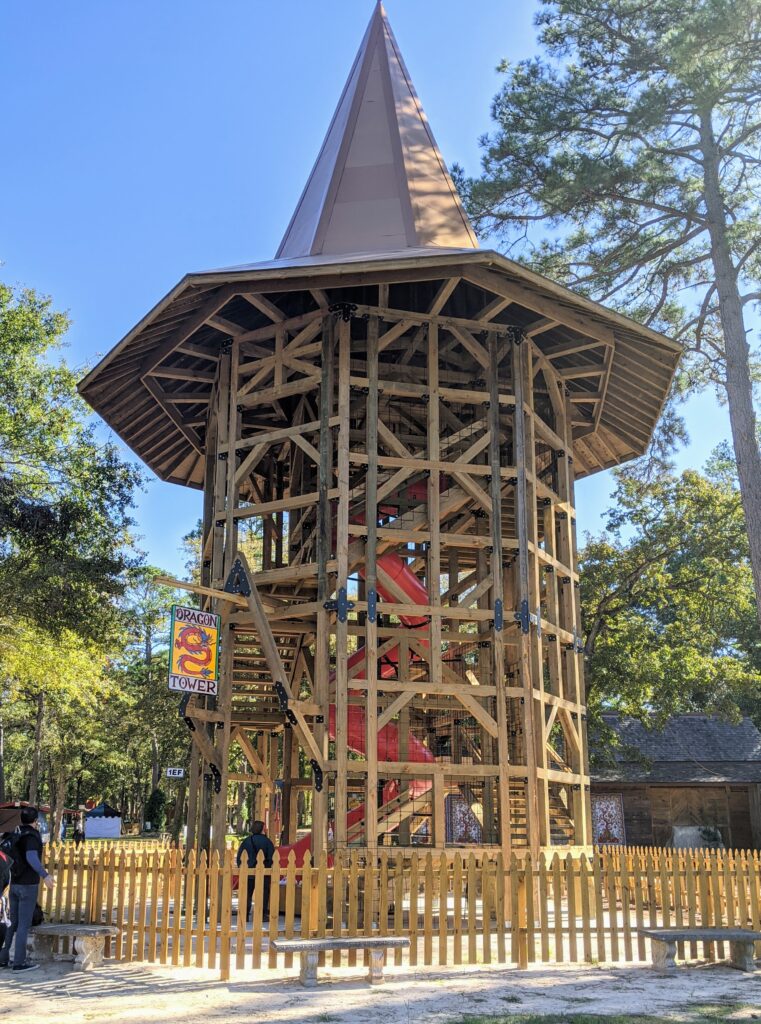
x=257, y=844
x=5, y=881
x=25, y=849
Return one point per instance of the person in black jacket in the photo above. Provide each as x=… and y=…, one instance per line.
x=256, y=845
x=26, y=872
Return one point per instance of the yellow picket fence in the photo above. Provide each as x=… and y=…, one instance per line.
x=174, y=907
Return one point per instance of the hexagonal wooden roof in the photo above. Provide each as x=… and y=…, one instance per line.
x=379, y=208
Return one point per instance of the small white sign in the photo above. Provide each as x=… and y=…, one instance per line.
x=175, y=773
x=189, y=684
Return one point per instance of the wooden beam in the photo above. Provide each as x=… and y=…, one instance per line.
x=264, y=306
x=546, y=306
x=162, y=398
x=186, y=330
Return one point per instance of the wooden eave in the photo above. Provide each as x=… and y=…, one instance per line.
x=153, y=388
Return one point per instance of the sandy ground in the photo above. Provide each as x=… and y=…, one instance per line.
x=144, y=994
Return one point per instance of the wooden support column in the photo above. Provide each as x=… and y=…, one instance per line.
x=433, y=570
x=439, y=813
x=520, y=376
x=342, y=559
x=324, y=543
x=274, y=773
x=371, y=587
x=293, y=815
x=404, y=734
x=498, y=593
x=287, y=837
x=195, y=771
x=229, y=432
x=570, y=606
x=535, y=601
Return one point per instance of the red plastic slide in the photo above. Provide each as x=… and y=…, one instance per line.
x=388, y=738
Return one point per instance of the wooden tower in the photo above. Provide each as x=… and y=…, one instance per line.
x=404, y=416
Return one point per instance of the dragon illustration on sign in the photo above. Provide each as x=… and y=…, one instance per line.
x=197, y=642
x=194, y=650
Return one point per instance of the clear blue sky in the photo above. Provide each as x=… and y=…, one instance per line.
x=146, y=139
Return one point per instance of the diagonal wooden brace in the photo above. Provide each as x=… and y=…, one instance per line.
x=275, y=666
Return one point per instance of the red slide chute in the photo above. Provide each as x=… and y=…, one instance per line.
x=388, y=738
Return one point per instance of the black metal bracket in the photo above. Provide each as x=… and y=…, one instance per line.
x=190, y=723
x=317, y=775
x=184, y=701
x=217, y=777
x=282, y=696
x=498, y=614
x=372, y=605
x=346, y=310
x=522, y=616
x=238, y=581
x=342, y=605
x=517, y=335
x=528, y=618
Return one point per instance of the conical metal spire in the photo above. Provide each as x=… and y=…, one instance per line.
x=380, y=183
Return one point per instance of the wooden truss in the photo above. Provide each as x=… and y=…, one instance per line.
x=407, y=644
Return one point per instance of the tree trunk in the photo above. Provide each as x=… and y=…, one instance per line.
x=34, y=777
x=58, y=802
x=178, y=817
x=155, y=764
x=739, y=384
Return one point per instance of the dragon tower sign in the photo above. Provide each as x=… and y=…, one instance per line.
x=194, y=651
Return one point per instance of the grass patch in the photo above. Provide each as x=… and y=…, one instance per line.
x=688, y=1015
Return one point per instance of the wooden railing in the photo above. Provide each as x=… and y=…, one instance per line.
x=179, y=908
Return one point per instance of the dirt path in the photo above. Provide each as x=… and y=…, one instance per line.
x=144, y=994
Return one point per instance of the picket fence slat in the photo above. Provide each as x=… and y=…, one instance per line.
x=181, y=908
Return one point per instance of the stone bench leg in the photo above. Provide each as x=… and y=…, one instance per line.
x=741, y=956
x=41, y=947
x=309, y=962
x=375, y=974
x=89, y=951
x=664, y=955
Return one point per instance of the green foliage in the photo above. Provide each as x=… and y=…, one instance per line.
x=155, y=810
x=667, y=600
x=64, y=495
x=602, y=136
x=84, y=706
x=634, y=141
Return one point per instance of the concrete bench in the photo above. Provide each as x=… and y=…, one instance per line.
x=89, y=943
x=664, y=942
x=310, y=950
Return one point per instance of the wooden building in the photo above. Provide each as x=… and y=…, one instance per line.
x=695, y=780
x=405, y=415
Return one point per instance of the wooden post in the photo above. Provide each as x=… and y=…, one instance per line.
x=371, y=588
x=195, y=771
x=230, y=549
x=287, y=836
x=524, y=594
x=342, y=559
x=324, y=543
x=498, y=596
x=433, y=568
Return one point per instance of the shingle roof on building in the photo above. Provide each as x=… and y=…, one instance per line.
x=689, y=748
